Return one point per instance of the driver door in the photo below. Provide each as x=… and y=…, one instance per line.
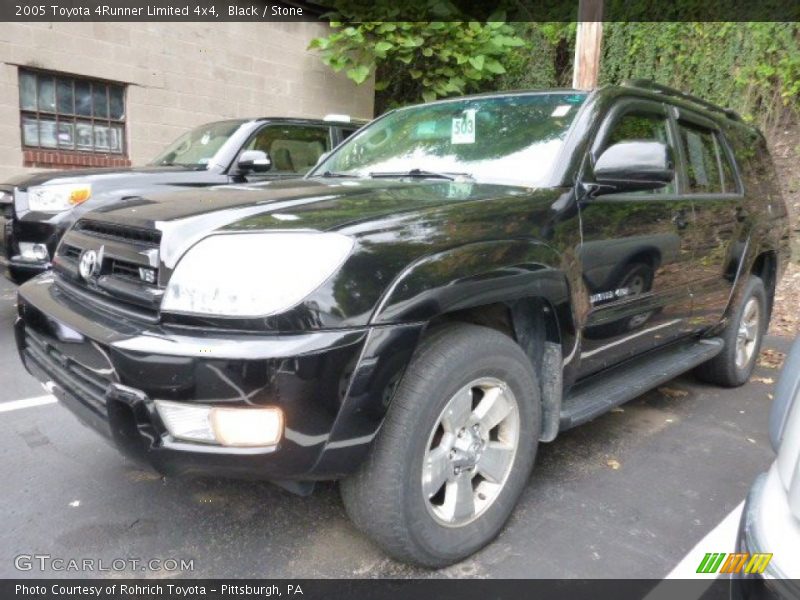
x=635, y=252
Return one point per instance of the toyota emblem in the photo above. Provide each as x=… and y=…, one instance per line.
x=88, y=264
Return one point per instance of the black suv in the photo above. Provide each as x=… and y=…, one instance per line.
x=36, y=210
x=454, y=284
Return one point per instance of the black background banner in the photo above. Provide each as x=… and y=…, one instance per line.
x=393, y=10
x=360, y=589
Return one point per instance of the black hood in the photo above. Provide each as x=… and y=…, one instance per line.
x=318, y=204
x=355, y=206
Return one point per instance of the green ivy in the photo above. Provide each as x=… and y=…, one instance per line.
x=753, y=68
x=416, y=61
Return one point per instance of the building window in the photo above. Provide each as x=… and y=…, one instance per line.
x=72, y=114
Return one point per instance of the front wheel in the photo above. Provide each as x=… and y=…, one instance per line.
x=455, y=450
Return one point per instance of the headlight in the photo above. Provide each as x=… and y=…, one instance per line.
x=6, y=197
x=58, y=197
x=253, y=274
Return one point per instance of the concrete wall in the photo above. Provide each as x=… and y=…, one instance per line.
x=179, y=75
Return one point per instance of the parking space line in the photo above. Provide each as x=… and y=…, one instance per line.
x=720, y=539
x=27, y=403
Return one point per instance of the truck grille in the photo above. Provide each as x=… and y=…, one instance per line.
x=86, y=385
x=120, y=233
x=123, y=268
x=123, y=279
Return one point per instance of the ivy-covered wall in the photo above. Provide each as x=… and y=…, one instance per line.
x=753, y=68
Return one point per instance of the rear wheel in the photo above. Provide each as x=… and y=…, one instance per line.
x=742, y=336
x=455, y=449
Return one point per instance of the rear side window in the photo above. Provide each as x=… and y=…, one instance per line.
x=708, y=170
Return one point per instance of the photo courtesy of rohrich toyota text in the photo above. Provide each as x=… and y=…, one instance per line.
x=348, y=299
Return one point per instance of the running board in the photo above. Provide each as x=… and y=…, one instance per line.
x=617, y=385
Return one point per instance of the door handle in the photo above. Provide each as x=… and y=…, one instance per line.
x=679, y=219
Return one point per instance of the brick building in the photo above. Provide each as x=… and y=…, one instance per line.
x=114, y=94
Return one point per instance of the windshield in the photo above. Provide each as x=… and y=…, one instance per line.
x=512, y=139
x=197, y=147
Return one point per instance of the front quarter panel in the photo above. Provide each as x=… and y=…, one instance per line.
x=473, y=275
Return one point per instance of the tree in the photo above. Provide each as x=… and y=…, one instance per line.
x=421, y=60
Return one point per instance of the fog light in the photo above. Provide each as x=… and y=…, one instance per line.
x=31, y=251
x=222, y=425
x=186, y=421
x=247, y=426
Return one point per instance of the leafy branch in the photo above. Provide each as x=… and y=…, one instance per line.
x=433, y=59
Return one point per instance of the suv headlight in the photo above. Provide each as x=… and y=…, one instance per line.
x=253, y=274
x=58, y=197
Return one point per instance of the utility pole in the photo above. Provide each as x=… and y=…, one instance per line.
x=588, y=45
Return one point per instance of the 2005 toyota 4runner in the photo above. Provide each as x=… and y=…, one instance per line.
x=454, y=284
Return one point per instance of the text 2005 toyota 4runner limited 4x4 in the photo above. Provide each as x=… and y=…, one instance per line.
x=454, y=284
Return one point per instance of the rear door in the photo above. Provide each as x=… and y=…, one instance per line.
x=711, y=183
x=636, y=255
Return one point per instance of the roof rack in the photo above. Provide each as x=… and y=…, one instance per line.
x=646, y=84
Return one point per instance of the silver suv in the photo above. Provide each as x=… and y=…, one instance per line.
x=771, y=518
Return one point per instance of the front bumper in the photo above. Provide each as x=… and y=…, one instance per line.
x=333, y=386
x=12, y=231
x=768, y=526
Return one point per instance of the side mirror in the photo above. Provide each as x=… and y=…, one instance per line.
x=633, y=167
x=254, y=161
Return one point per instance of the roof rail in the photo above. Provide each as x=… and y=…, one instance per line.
x=646, y=84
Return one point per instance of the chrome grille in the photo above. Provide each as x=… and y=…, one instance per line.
x=123, y=268
x=126, y=274
x=70, y=252
x=122, y=233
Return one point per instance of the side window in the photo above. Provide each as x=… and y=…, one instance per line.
x=292, y=148
x=638, y=126
x=346, y=133
x=702, y=166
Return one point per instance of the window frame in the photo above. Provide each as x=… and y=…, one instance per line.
x=722, y=151
x=73, y=119
x=621, y=107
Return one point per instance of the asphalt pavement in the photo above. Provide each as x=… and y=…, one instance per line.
x=625, y=496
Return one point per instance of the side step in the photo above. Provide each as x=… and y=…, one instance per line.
x=617, y=385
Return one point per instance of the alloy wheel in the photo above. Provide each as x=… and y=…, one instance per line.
x=470, y=452
x=747, y=335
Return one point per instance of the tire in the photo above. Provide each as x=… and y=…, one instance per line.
x=730, y=368
x=455, y=367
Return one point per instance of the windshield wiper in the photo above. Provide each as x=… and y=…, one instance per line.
x=421, y=174
x=335, y=174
